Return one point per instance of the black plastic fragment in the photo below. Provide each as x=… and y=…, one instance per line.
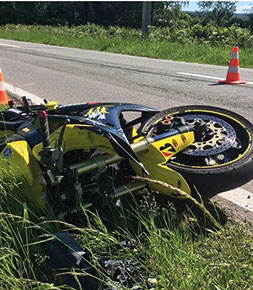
x=65, y=255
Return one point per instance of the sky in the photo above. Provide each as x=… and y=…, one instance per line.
x=241, y=5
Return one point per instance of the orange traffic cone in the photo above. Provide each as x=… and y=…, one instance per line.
x=233, y=75
x=3, y=94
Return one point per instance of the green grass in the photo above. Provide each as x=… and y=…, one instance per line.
x=131, y=44
x=175, y=247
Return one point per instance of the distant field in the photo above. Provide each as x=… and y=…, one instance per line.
x=180, y=46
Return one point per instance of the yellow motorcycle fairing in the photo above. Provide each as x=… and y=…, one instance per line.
x=77, y=137
x=155, y=160
x=17, y=160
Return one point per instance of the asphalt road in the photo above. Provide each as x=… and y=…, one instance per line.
x=73, y=75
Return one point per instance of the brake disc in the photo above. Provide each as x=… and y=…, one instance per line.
x=219, y=136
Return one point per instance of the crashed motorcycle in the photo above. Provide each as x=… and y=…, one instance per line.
x=81, y=155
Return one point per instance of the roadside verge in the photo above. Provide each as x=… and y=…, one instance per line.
x=17, y=93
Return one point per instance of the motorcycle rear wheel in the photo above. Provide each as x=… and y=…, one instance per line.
x=219, y=161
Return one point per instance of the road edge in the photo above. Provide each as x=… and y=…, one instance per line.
x=235, y=203
x=17, y=93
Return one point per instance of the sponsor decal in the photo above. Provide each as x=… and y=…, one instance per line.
x=26, y=130
x=98, y=113
x=167, y=146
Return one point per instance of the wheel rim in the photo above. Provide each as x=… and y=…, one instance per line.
x=225, y=145
x=219, y=136
x=231, y=144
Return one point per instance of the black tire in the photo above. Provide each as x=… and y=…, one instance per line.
x=236, y=153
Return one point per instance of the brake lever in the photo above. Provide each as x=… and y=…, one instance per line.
x=27, y=108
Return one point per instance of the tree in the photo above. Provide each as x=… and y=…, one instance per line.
x=112, y=13
x=168, y=13
x=220, y=12
x=250, y=17
x=121, y=13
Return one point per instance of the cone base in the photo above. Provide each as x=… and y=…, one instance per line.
x=232, y=82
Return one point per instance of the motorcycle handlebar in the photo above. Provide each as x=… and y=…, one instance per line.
x=10, y=125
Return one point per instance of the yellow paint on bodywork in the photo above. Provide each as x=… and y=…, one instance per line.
x=24, y=167
x=51, y=106
x=99, y=110
x=155, y=160
x=76, y=137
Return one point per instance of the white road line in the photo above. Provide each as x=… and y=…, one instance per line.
x=206, y=77
x=3, y=44
x=19, y=92
x=199, y=76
